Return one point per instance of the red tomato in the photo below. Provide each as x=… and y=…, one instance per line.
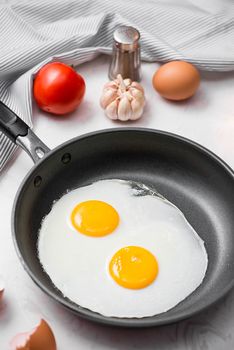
x=58, y=89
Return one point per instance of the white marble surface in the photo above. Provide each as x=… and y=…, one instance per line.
x=207, y=118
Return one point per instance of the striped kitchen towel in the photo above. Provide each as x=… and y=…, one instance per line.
x=74, y=31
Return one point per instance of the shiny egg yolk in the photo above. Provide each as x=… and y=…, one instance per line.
x=133, y=267
x=94, y=218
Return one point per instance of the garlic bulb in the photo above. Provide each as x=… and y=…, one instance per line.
x=123, y=99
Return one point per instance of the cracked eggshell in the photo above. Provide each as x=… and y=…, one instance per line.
x=40, y=338
x=2, y=287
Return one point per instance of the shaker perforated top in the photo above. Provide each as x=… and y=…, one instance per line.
x=126, y=36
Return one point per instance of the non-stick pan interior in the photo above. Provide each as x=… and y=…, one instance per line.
x=190, y=177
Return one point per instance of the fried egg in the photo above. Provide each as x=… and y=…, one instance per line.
x=120, y=249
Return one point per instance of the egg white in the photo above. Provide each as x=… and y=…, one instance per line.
x=78, y=264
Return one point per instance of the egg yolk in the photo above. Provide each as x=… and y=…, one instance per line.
x=94, y=218
x=133, y=267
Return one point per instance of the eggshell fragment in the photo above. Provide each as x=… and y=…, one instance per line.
x=40, y=338
x=2, y=286
x=176, y=80
x=1, y=293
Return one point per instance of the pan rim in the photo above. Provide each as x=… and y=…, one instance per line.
x=89, y=314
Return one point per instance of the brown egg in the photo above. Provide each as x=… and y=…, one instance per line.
x=40, y=338
x=176, y=80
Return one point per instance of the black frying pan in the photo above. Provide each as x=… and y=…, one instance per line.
x=191, y=177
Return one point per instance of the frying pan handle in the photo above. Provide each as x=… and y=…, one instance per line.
x=20, y=133
x=10, y=124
